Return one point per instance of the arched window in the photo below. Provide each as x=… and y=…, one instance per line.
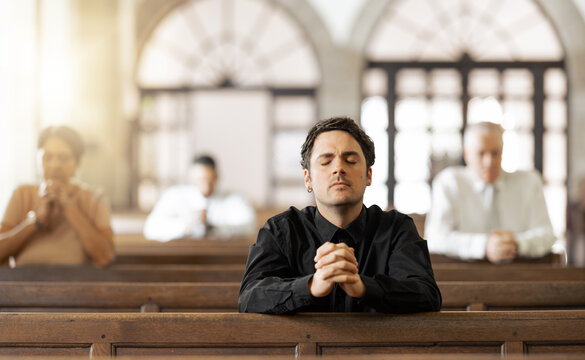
x=212, y=72
x=434, y=66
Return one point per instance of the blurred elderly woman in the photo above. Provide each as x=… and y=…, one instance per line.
x=58, y=221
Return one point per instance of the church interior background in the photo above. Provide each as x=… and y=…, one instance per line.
x=150, y=83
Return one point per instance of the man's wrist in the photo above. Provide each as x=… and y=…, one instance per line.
x=32, y=219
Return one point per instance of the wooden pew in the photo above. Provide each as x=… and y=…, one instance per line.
x=302, y=335
x=234, y=273
x=94, y=296
x=204, y=251
x=512, y=295
x=126, y=273
x=505, y=272
x=551, y=259
x=223, y=297
x=134, y=249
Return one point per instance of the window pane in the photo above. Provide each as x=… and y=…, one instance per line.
x=518, y=114
x=294, y=111
x=411, y=114
x=484, y=82
x=448, y=144
x=555, y=114
x=412, y=156
x=445, y=82
x=412, y=197
x=380, y=168
x=518, y=151
x=165, y=111
x=555, y=83
x=518, y=83
x=443, y=30
x=555, y=157
x=374, y=117
x=286, y=152
x=411, y=82
x=374, y=121
x=484, y=109
x=556, y=202
x=255, y=44
x=375, y=82
x=446, y=113
x=376, y=195
x=392, y=42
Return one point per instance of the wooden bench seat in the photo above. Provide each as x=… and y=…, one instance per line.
x=126, y=273
x=234, y=273
x=551, y=259
x=512, y=295
x=203, y=251
x=223, y=297
x=300, y=335
x=94, y=296
x=134, y=249
x=506, y=272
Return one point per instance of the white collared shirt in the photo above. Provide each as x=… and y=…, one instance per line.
x=177, y=215
x=459, y=221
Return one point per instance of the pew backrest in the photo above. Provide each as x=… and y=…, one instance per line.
x=200, y=297
x=299, y=335
x=127, y=273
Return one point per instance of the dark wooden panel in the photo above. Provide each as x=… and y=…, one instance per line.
x=40, y=350
x=567, y=348
x=413, y=348
x=206, y=350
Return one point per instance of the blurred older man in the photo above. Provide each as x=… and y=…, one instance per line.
x=483, y=212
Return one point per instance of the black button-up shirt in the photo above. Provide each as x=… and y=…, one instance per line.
x=393, y=262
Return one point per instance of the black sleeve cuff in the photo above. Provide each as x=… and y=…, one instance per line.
x=373, y=293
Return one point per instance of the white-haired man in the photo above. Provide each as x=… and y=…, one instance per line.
x=482, y=212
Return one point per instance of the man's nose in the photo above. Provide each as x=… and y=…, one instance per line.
x=488, y=160
x=338, y=167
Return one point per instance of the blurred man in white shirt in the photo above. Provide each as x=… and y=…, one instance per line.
x=199, y=210
x=483, y=212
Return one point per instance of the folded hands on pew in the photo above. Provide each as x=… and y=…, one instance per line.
x=336, y=263
x=501, y=246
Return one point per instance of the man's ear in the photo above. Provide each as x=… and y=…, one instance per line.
x=465, y=155
x=369, y=175
x=307, y=176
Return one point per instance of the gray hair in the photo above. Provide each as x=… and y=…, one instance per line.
x=482, y=128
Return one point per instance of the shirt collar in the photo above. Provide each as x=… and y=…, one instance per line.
x=479, y=185
x=327, y=230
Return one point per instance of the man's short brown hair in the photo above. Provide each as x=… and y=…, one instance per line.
x=338, y=123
